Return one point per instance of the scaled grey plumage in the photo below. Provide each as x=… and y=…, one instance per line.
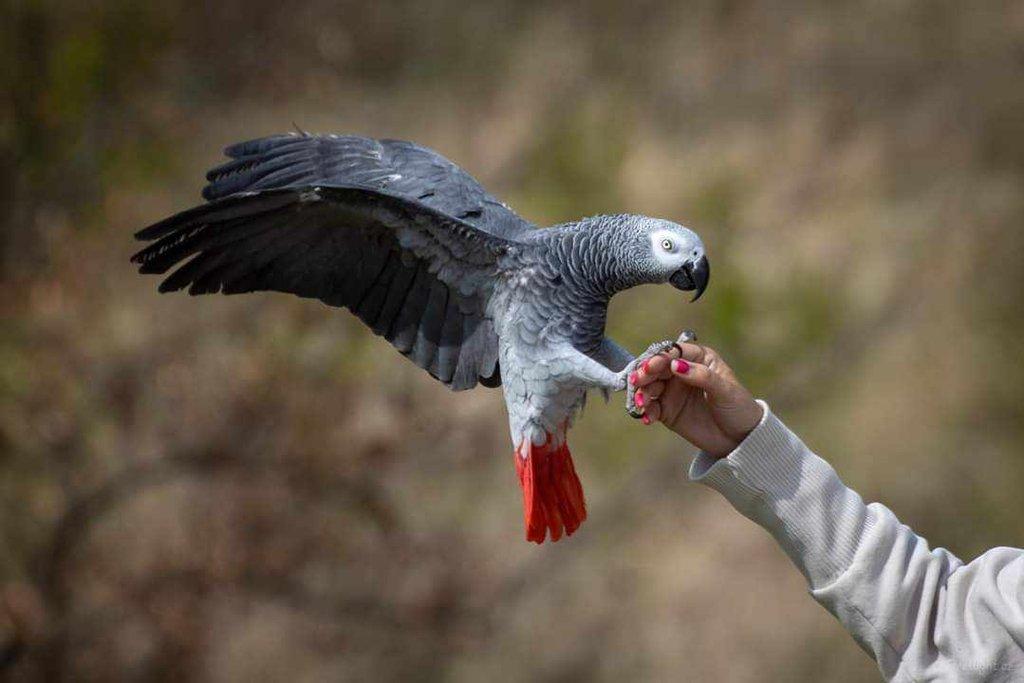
x=452, y=277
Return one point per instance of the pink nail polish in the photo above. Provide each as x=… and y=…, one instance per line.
x=680, y=366
x=646, y=419
x=632, y=378
x=643, y=366
x=639, y=400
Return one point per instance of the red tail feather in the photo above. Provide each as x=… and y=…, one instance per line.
x=552, y=494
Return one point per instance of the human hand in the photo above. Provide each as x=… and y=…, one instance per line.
x=698, y=397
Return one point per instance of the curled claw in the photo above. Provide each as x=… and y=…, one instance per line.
x=687, y=337
x=638, y=364
x=629, y=372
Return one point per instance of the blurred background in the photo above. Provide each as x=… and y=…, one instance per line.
x=256, y=488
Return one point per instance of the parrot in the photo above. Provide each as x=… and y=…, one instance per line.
x=453, y=278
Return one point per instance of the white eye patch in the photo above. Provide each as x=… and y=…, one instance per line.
x=667, y=247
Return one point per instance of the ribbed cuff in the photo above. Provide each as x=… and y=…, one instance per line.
x=776, y=481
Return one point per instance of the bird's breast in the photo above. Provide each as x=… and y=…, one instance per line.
x=534, y=310
x=542, y=392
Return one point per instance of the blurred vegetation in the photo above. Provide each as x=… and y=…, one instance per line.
x=241, y=488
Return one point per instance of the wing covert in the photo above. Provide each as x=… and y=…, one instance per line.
x=396, y=167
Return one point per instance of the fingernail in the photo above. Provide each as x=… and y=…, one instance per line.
x=643, y=366
x=639, y=400
x=633, y=377
x=681, y=366
x=645, y=418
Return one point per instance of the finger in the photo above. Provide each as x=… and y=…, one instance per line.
x=653, y=369
x=643, y=397
x=654, y=390
x=651, y=413
x=673, y=351
x=693, y=352
x=639, y=401
x=700, y=376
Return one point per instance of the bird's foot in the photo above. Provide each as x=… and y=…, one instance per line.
x=640, y=363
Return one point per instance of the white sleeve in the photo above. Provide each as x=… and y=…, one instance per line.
x=922, y=614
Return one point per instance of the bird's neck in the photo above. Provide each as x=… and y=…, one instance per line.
x=593, y=257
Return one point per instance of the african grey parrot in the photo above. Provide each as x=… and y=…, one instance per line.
x=452, y=277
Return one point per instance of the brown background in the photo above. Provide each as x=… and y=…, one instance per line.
x=256, y=488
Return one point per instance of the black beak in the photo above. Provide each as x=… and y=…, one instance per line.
x=693, y=277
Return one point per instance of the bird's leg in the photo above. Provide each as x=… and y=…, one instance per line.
x=652, y=350
x=595, y=374
x=613, y=357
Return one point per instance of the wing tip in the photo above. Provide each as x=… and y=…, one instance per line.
x=167, y=287
x=149, y=232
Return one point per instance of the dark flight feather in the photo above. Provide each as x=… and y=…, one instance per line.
x=381, y=256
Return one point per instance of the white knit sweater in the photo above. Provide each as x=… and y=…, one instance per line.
x=922, y=614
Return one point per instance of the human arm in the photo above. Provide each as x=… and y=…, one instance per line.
x=921, y=613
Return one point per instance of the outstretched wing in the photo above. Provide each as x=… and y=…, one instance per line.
x=395, y=167
x=415, y=276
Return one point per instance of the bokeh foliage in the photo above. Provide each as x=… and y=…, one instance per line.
x=255, y=487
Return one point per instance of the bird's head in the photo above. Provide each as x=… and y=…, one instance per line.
x=610, y=254
x=675, y=255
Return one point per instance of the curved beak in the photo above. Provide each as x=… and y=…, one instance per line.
x=693, y=277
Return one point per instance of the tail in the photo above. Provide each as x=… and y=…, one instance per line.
x=552, y=494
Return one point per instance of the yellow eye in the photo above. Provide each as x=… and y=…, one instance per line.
x=666, y=245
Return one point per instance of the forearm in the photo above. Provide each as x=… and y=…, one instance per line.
x=775, y=480
x=919, y=612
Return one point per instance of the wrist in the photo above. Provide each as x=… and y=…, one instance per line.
x=736, y=428
x=751, y=415
x=707, y=437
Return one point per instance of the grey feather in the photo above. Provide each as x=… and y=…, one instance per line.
x=403, y=333
x=429, y=332
x=394, y=299
x=402, y=169
x=411, y=273
x=451, y=339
